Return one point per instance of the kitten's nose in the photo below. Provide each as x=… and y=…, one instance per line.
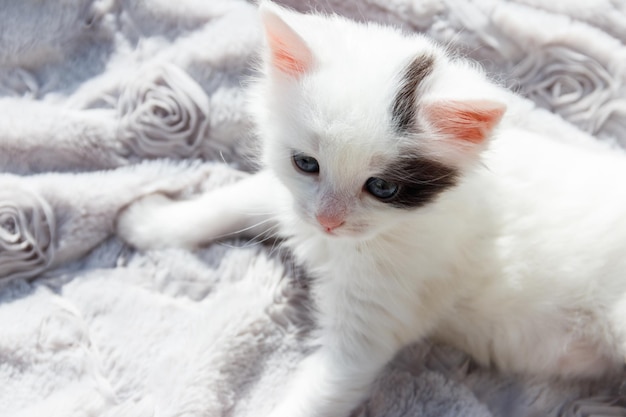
x=330, y=223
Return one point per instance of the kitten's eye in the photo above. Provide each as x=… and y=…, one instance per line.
x=306, y=163
x=380, y=188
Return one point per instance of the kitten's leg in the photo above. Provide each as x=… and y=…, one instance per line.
x=246, y=207
x=329, y=383
x=335, y=379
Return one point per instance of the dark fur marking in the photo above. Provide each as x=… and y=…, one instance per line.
x=420, y=181
x=404, y=103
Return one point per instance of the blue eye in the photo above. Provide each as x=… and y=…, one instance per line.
x=380, y=188
x=306, y=163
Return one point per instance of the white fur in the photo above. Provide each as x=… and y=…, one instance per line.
x=521, y=264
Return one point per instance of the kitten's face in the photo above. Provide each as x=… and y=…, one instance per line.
x=339, y=188
x=361, y=123
x=350, y=172
x=344, y=190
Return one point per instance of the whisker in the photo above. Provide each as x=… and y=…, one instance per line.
x=252, y=241
x=433, y=180
x=250, y=227
x=428, y=181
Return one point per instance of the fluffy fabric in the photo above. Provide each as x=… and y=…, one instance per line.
x=109, y=100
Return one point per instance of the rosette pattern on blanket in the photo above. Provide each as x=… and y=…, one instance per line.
x=573, y=84
x=27, y=232
x=163, y=113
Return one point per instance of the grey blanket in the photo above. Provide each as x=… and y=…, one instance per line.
x=104, y=101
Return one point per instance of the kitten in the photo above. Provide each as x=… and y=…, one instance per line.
x=421, y=209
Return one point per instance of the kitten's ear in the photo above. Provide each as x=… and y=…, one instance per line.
x=462, y=125
x=289, y=54
x=470, y=120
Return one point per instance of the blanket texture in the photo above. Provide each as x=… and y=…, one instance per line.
x=104, y=101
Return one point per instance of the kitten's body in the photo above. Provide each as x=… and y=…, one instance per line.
x=513, y=251
x=511, y=266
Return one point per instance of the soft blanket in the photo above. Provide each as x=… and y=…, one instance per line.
x=104, y=101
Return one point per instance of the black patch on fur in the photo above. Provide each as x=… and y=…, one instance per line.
x=420, y=181
x=404, y=103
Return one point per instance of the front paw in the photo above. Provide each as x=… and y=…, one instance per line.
x=146, y=223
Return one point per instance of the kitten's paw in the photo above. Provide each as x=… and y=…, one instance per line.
x=147, y=223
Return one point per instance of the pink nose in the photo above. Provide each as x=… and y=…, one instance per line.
x=330, y=222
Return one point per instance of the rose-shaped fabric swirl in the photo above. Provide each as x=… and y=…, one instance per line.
x=163, y=113
x=27, y=227
x=572, y=84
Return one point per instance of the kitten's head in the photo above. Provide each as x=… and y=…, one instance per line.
x=363, y=123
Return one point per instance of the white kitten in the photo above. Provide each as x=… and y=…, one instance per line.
x=420, y=209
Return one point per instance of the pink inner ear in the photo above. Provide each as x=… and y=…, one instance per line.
x=283, y=59
x=471, y=120
x=289, y=53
